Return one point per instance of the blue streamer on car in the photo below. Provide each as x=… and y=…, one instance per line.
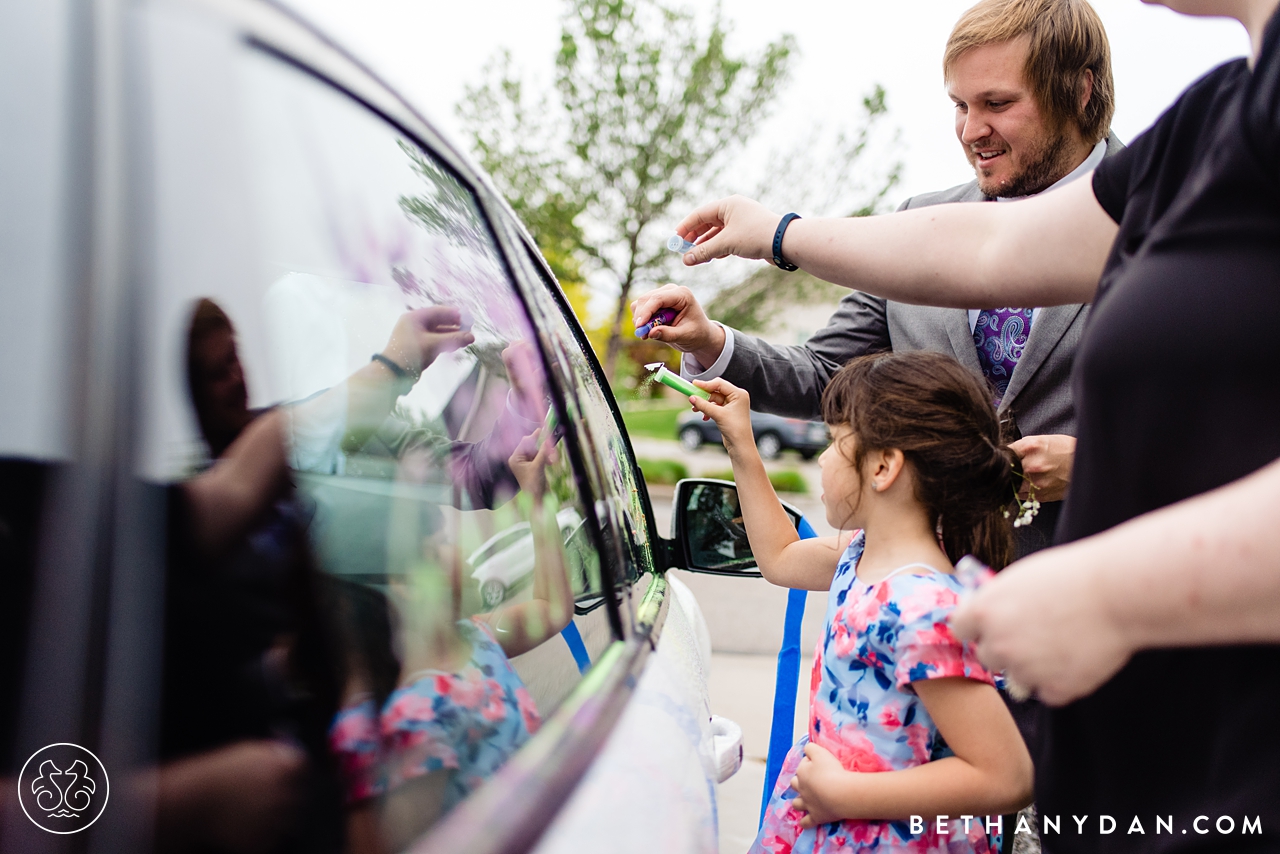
x=782, y=730
x=573, y=638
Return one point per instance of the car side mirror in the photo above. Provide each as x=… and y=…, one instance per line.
x=709, y=535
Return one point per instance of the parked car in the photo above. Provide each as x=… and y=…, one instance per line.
x=275, y=361
x=773, y=433
x=506, y=559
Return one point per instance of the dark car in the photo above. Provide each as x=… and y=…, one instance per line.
x=774, y=434
x=282, y=381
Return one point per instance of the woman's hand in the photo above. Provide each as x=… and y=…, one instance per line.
x=820, y=774
x=730, y=408
x=733, y=226
x=420, y=336
x=1046, y=622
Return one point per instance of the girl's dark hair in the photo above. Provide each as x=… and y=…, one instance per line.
x=941, y=417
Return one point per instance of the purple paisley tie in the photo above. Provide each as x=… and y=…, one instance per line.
x=1000, y=336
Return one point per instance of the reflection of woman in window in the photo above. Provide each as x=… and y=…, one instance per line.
x=460, y=710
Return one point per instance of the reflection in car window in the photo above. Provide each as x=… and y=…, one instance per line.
x=606, y=450
x=375, y=534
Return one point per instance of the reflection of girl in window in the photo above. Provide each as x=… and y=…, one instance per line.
x=460, y=710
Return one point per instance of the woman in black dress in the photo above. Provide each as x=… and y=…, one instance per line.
x=1154, y=629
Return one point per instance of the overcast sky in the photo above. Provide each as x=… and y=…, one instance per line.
x=429, y=51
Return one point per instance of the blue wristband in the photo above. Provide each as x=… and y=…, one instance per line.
x=782, y=263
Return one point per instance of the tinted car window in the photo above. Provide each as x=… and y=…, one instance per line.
x=606, y=450
x=375, y=537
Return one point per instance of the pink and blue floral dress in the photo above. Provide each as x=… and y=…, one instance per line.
x=466, y=723
x=879, y=639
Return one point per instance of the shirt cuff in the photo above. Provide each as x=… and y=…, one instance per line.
x=691, y=368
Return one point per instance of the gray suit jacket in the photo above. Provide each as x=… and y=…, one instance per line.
x=790, y=380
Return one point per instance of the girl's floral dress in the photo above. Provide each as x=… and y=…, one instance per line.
x=879, y=639
x=469, y=722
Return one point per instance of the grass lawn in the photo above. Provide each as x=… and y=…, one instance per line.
x=652, y=423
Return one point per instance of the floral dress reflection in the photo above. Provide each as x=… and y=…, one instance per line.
x=461, y=710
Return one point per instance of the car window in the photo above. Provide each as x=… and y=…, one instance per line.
x=376, y=541
x=606, y=448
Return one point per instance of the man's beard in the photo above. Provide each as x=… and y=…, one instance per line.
x=1046, y=167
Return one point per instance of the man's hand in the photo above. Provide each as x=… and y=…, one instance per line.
x=819, y=776
x=691, y=332
x=529, y=463
x=730, y=408
x=524, y=372
x=1046, y=461
x=1045, y=621
x=421, y=335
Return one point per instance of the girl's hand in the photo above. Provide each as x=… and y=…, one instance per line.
x=1045, y=622
x=733, y=226
x=730, y=408
x=820, y=774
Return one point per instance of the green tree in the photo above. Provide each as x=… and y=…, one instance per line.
x=646, y=110
x=844, y=186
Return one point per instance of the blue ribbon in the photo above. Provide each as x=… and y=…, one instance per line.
x=782, y=730
x=573, y=638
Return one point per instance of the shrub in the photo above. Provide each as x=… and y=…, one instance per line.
x=662, y=471
x=786, y=480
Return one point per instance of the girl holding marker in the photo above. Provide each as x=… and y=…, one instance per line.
x=904, y=721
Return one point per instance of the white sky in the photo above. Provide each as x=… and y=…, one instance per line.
x=430, y=50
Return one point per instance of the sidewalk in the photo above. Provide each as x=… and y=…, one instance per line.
x=742, y=690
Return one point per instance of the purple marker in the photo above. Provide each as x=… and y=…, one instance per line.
x=661, y=317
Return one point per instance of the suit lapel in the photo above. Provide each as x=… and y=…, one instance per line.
x=1050, y=325
x=957, y=325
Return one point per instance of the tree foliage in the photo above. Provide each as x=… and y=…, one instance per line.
x=647, y=108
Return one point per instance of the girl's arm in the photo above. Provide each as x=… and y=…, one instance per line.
x=784, y=559
x=990, y=774
x=1046, y=250
x=523, y=626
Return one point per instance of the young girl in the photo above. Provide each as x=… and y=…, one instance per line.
x=903, y=719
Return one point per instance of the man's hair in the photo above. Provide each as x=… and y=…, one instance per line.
x=1066, y=38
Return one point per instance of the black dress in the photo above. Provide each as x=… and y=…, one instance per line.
x=1177, y=386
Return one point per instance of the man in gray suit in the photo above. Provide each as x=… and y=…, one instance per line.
x=1031, y=82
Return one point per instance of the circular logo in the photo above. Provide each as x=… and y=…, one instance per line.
x=63, y=788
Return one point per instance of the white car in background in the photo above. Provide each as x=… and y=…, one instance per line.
x=505, y=560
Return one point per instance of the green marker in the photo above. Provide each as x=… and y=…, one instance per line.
x=675, y=381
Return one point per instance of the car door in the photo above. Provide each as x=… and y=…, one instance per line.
x=313, y=391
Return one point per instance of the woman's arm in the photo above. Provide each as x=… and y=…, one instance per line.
x=784, y=559
x=1046, y=250
x=1200, y=572
x=990, y=774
